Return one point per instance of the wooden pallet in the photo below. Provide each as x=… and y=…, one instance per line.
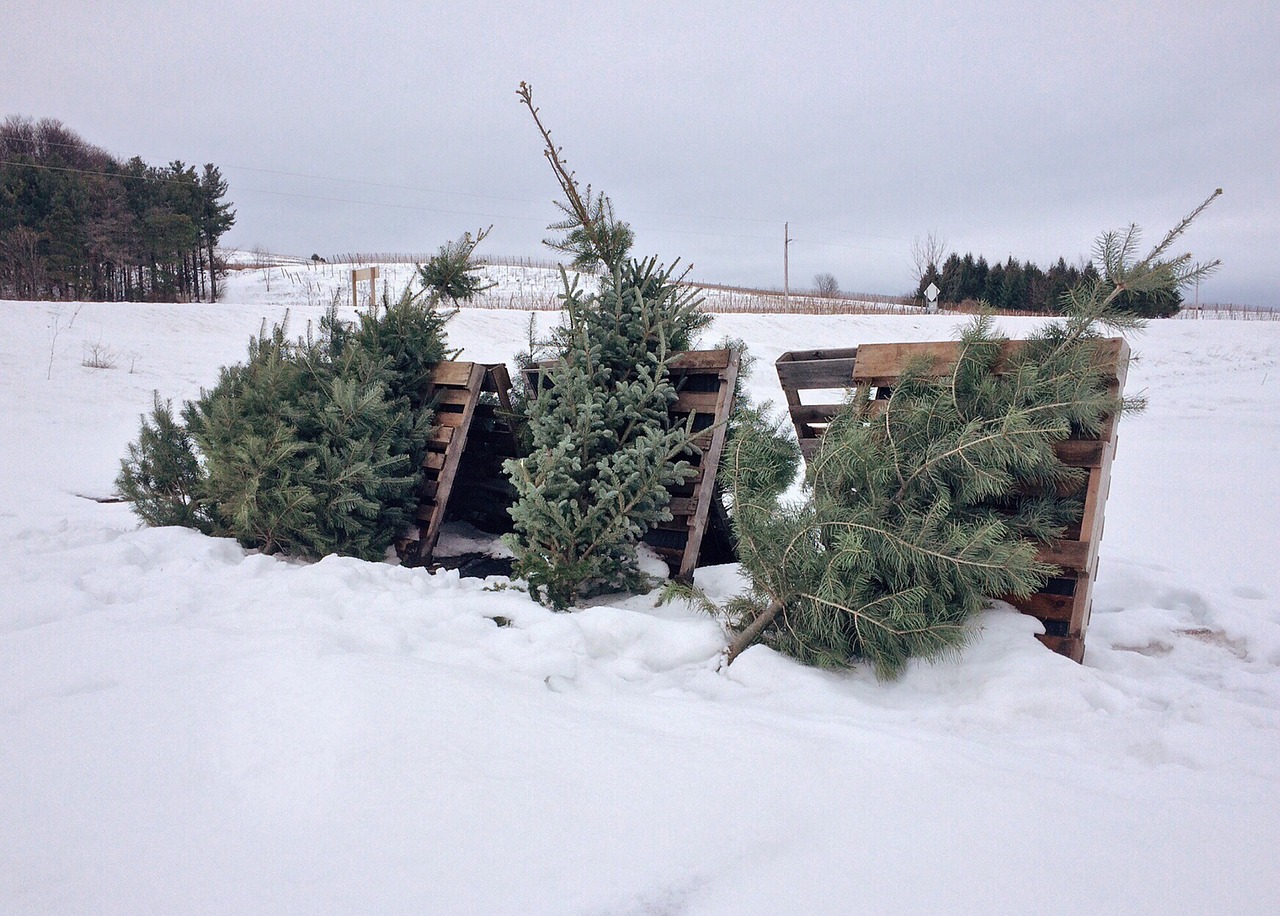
x=698, y=533
x=468, y=441
x=871, y=370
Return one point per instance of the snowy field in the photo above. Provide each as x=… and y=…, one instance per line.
x=275, y=280
x=189, y=728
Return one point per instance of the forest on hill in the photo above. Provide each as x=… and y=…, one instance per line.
x=78, y=223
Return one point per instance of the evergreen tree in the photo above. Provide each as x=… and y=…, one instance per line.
x=309, y=447
x=965, y=277
x=602, y=456
x=451, y=272
x=162, y=476
x=949, y=282
x=1013, y=288
x=908, y=522
x=215, y=218
x=929, y=275
x=981, y=275
x=77, y=223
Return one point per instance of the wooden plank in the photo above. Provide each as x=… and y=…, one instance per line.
x=497, y=380
x=440, y=437
x=459, y=396
x=682, y=505
x=888, y=361
x=434, y=461
x=1070, y=646
x=815, y=413
x=834, y=373
x=1046, y=607
x=696, y=402
x=699, y=360
x=710, y=462
x=1080, y=453
x=829, y=353
x=450, y=418
x=1064, y=553
x=451, y=373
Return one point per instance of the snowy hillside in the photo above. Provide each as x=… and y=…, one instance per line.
x=517, y=284
x=189, y=728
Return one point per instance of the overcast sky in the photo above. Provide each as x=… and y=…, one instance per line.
x=1020, y=128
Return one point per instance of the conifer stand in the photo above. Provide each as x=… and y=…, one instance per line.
x=871, y=370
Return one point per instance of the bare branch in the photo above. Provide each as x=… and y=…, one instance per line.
x=926, y=252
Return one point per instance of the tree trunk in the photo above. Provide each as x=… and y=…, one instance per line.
x=213, y=274
x=748, y=636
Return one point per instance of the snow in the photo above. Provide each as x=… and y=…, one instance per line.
x=189, y=727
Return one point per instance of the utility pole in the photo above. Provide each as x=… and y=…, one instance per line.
x=786, y=265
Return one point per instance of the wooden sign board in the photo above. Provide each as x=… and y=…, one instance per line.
x=361, y=274
x=871, y=370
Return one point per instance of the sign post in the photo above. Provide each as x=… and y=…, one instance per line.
x=365, y=273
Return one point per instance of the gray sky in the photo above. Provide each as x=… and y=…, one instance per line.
x=1021, y=128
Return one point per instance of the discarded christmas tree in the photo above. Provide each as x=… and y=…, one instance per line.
x=309, y=447
x=603, y=454
x=304, y=452
x=907, y=523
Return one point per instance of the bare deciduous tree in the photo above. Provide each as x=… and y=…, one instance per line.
x=926, y=251
x=826, y=285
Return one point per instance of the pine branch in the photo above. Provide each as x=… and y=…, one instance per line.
x=1176, y=232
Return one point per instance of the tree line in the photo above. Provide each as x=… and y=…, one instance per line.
x=1023, y=286
x=78, y=223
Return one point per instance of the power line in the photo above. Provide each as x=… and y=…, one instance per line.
x=66, y=168
x=519, y=200
x=381, y=184
x=161, y=179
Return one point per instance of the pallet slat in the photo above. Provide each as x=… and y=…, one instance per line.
x=696, y=402
x=816, y=373
x=460, y=396
x=701, y=360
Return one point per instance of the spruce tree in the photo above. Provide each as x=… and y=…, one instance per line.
x=603, y=455
x=906, y=524
x=608, y=244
